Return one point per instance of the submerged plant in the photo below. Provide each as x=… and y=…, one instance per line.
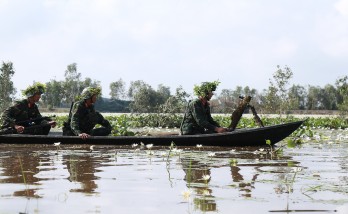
x=278, y=151
x=23, y=175
x=233, y=162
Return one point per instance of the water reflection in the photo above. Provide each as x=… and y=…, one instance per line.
x=198, y=176
x=20, y=168
x=216, y=181
x=82, y=169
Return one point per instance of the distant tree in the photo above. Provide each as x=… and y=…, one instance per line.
x=73, y=85
x=53, y=95
x=135, y=87
x=329, y=97
x=176, y=103
x=144, y=101
x=297, y=95
x=277, y=93
x=117, y=89
x=227, y=101
x=7, y=90
x=314, y=98
x=72, y=82
x=163, y=93
x=342, y=88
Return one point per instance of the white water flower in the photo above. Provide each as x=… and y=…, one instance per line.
x=177, y=151
x=186, y=193
x=306, y=138
x=211, y=154
x=261, y=149
x=134, y=145
x=339, y=137
x=205, y=177
x=199, y=146
x=232, y=151
x=317, y=137
x=56, y=144
x=297, y=169
x=149, y=146
x=91, y=147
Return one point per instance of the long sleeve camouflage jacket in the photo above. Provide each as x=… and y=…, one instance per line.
x=198, y=119
x=84, y=119
x=20, y=111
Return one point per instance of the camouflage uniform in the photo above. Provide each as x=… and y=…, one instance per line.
x=20, y=111
x=198, y=119
x=84, y=119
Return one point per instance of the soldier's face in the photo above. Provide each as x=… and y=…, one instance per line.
x=209, y=95
x=94, y=98
x=36, y=98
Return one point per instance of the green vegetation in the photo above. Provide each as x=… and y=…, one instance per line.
x=123, y=123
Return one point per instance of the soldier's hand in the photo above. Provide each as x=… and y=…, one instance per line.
x=52, y=123
x=220, y=129
x=19, y=129
x=84, y=136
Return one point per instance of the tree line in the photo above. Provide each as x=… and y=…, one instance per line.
x=140, y=97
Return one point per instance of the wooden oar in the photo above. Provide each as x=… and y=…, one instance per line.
x=238, y=112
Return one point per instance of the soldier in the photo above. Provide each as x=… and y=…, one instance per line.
x=198, y=119
x=84, y=117
x=24, y=116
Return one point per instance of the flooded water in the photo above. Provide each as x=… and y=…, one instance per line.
x=312, y=178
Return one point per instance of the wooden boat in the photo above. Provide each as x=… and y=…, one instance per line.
x=238, y=137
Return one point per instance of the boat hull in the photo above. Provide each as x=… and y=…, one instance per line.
x=239, y=137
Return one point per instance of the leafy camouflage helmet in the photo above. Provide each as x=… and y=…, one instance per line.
x=88, y=92
x=36, y=88
x=205, y=87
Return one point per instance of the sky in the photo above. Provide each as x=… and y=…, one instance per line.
x=176, y=42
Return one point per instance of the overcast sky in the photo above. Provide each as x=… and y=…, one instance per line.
x=176, y=42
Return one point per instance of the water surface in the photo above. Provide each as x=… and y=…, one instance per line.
x=312, y=178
